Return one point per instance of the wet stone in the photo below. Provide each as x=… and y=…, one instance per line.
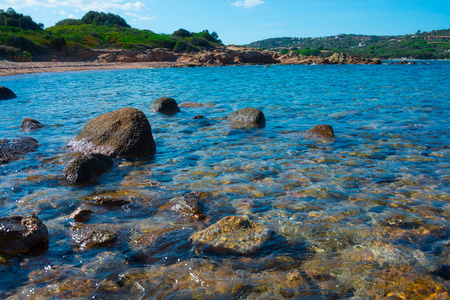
x=90, y=238
x=6, y=93
x=30, y=124
x=187, y=205
x=248, y=117
x=124, y=133
x=165, y=105
x=82, y=214
x=85, y=169
x=14, y=150
x=106, y=264
x=20, y=235
x=322, y=131
x=113, y=198
x=232, y=234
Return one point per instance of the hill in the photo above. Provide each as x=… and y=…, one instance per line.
x=367, y=46
x=21, y=39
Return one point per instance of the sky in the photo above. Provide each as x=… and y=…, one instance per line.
x=241, y=22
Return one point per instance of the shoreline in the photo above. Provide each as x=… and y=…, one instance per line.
x=9, y=68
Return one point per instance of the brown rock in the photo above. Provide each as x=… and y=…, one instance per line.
x=82, y=214
x=190, y=104
x=123, y=133
x=248, y=117
x=232, y=234
x=187, y=205
x=19, y=235
x=30, y=124
x=321, y=131
x=85, y=169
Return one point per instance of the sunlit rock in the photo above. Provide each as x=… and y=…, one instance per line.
x=232, y=234
x=124, y=133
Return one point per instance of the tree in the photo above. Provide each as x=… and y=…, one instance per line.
x=13, y=19
x=96, y=18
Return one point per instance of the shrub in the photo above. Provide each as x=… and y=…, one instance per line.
x=57, y=42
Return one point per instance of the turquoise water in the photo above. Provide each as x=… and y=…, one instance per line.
x=335, y=205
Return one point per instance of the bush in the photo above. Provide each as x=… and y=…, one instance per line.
x=182, y=33
x=57, y=42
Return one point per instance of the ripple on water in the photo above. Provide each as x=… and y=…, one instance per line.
x=366, y=215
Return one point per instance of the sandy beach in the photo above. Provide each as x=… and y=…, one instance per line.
x=8, y=68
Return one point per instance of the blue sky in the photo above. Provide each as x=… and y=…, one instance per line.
x=245, y=21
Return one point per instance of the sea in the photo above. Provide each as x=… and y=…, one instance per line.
x=365, y=216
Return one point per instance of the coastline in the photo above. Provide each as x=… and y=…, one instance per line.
x=9, y=68
x=161, y=58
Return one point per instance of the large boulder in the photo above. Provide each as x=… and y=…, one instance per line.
x=124, y=133
x=6, y=93
x=165, y=105
x=30, y=124
x=248, y=117
x=85, y=169
x=20, y=235
x=232, y=234
x=12, y=151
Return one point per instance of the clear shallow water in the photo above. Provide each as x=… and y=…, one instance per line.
x=366, y=215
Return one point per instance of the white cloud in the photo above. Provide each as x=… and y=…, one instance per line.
x=247, y=3
x=140, y=18
x=83, y=5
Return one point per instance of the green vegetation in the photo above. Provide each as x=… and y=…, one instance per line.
x=94, y=30
x=408, y=46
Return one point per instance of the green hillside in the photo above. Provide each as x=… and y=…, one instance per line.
x=20, y=36
x=367, y=46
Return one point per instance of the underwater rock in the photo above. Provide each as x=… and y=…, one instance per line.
x=232, y=234
x=105, y=264
x=198, y=117
x=89, y=238
x=321, y=131
x=248, y=117
x=125, y=133
x=165, y=105
x=30, y=124
x=117, y=197
x=85, y=169
x=187, y=205
x=82, y=214
x=190, y=104
x=19, y=235
x=6, y=93
x=11, y=151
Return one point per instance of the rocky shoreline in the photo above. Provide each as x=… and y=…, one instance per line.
x=63, y=61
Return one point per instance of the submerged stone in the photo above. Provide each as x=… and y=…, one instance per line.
x=248, y=117
x=90, y=238
x=82, y=214
x=12, y=151
x=124, y=133
x=187, y=205
x=165, y=105
x=321, y=131
x=232, y=234
x=19, y=235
